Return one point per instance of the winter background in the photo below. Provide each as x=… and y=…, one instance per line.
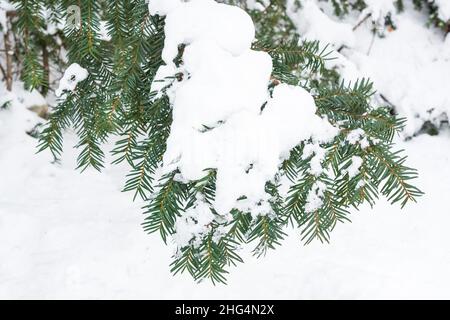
x=69, y=235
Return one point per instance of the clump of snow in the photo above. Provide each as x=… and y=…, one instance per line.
x=443, y=9
x=229, y=27
x=358, y=136
x=347, y=69
x=318, y=153
x=314, y=200
x=313, y=24
x=223, y=116
x=72, y=76
x=163, y=79
x=40, y=226
x=353, y=169
x=410, y=67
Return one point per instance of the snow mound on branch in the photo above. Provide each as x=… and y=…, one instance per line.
x=231, y=28
x=223, y=115
x=72, y=76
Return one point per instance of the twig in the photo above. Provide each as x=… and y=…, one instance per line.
x=361, y=22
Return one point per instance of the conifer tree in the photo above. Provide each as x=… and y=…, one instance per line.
x=114, y=100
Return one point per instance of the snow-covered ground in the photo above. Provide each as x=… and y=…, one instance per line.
x=69, y=235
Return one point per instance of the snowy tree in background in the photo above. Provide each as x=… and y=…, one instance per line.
x=32, y=42
x=232, y=133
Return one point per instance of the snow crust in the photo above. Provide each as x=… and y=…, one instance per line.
x=223, y=115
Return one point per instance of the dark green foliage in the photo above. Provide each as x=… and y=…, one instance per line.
x=115, y=101
x=342, y=7
x=5, y=105
x=167, y=204
x=293, y=58
x=30, y=22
